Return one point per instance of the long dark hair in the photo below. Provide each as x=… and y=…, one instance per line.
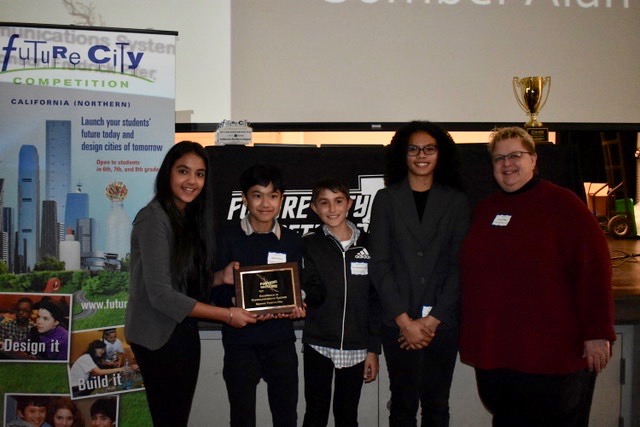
x=192, y=240
x=91, y=350
x=447, y=167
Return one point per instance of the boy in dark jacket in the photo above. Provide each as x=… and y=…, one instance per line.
x=267, y=350
x=341, y=331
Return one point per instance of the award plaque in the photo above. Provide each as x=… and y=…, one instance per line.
x=272, y=288
x=539, y=134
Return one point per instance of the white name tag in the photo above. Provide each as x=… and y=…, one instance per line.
x=276, y=257
x=359, y=268
x=501, y=220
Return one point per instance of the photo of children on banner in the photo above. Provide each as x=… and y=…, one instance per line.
x=114, y=351
x=63, y=412
x=92, y=374
x=34, y=327
x=104, y=412
x=27, y=410
x=59, y=410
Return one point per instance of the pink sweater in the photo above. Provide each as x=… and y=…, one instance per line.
x=534, y=289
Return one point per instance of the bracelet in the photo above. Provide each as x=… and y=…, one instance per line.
x=230, y=317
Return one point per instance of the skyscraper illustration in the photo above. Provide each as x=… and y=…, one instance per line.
x=58, y=164
x=4, y=236
x=85, y=235
x=7, y=228
x=28, y=205
x=49, y=234
x=77, y=207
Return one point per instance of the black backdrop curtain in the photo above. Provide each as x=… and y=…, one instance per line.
x=361, y=168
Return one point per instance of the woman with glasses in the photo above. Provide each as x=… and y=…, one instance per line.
x=537, y=305
x=417, y=225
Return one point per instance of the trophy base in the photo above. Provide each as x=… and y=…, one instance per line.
x=539, y=134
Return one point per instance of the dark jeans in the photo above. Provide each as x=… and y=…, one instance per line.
x=420, y=377
x=277, y=364
x=318, y=376
x=170, y=375
x=528, y=400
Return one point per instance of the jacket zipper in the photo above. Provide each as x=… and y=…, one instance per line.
x=346, y=292
x=344, y=304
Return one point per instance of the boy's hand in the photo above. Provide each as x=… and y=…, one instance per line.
x=371, y=367
x=297, y=313
x=225, y=276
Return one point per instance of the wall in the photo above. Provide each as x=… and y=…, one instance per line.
x=370, y=60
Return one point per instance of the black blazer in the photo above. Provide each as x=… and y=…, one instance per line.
x=415, y=263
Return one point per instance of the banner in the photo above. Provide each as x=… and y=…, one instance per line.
x=86, y=117
x=361, y=168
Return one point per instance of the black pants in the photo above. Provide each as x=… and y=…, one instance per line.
x=528, y=400
x=170, y=375
x=245, y=365
x=318, y=377
x=420, y=377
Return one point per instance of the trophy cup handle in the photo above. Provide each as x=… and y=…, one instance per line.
x=546, y=82
x=516, y=85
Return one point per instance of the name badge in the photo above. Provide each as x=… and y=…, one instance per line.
x=276, y=257
x=359, y=268
x=501, y=220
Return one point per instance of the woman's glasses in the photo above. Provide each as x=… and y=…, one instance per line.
x=512, y=157
x=428, y=150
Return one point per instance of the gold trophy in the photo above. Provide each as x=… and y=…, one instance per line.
x=531, y=97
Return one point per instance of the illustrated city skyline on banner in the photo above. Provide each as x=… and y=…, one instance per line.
x=86, y=121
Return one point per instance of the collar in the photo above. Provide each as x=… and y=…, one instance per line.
x=528, y=186
x=355, y=233
x=245, y=224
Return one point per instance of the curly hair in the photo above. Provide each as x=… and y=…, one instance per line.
x=447, y=167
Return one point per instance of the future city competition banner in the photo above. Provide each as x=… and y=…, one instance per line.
x=86, y=116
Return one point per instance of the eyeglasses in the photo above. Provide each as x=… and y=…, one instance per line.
x=513, y=157
x=428, y=150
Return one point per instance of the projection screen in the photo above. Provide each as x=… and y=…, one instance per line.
x=442, y=60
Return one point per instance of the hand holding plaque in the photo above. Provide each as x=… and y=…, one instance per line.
x=265, y=289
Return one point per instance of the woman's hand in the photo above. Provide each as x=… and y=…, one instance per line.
x=418, y=333
x=239, y=317
x=415, y=336
x=598, y=353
